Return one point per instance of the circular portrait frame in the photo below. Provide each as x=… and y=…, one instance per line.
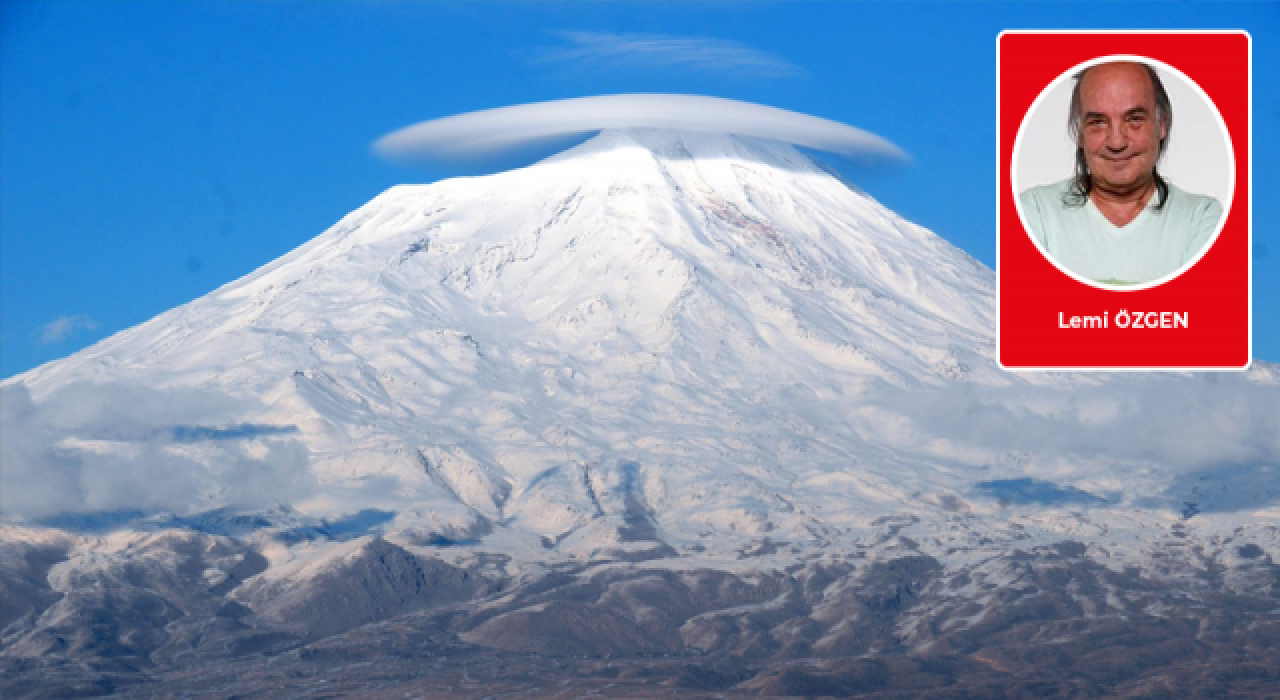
x=1043, y=152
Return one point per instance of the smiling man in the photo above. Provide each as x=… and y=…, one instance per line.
x=1118, y=221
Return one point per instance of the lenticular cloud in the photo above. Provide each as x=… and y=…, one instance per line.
x=494, y=132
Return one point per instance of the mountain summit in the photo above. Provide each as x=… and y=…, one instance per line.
x=663, y=393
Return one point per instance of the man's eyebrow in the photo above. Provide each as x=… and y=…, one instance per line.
x=1133, y=111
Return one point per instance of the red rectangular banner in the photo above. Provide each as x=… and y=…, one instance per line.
x=1124, y=200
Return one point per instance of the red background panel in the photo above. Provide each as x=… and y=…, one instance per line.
x=1214, y=292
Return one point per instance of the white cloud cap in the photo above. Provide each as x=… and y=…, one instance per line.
x=494, y=131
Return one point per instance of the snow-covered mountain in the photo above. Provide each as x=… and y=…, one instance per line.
x=668, y=312
x=654, y=366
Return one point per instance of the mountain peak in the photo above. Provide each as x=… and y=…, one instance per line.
x=680, y=145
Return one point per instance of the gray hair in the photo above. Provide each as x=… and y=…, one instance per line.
x=1082, y=182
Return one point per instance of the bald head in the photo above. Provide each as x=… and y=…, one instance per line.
x=1117, y=73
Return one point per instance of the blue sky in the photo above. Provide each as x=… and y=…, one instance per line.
x=151, y=152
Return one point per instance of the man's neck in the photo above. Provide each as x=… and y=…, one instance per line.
x=1122, y=206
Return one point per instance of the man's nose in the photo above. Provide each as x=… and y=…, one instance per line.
x=1117, y=139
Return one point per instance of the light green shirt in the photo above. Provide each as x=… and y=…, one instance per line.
x=1156, y=243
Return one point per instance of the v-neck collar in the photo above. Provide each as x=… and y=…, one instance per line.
x=1119, y=231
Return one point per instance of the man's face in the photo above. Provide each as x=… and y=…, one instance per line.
x=1119, y=129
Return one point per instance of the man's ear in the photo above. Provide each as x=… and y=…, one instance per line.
x=1164, y=130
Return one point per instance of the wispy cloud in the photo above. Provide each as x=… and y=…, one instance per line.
x=648, y=51
x=106, y=447
x=1214, y=439
x=63, y=327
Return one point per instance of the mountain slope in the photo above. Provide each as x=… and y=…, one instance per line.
x=538, y=329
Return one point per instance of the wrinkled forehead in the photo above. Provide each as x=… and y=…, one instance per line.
x=1118, y=86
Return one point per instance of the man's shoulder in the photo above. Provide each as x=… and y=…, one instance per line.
x=1193, y=204
x=1053, y=188
x=1046, y=195
x=1190, y=197
x=1043, y=209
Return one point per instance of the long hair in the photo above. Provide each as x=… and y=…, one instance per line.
x=1082, y=182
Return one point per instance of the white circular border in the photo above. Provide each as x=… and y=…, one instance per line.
x=1226, y=138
